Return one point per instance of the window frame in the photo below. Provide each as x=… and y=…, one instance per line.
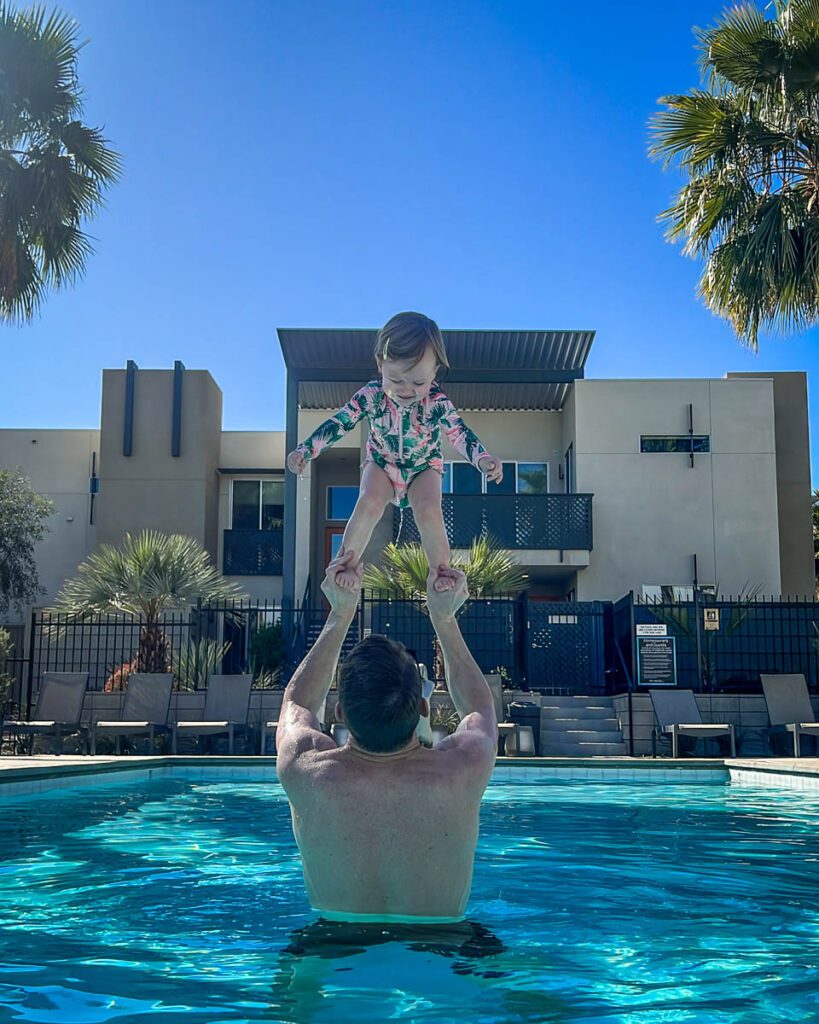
x=327, y=517
x=686, y=439
x=260, y=481
x=506, y=462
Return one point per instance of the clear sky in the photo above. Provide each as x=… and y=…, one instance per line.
x=303, y=163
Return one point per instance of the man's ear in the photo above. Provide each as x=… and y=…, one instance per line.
x=338, y=711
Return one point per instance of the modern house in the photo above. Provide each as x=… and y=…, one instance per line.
x=609, y=486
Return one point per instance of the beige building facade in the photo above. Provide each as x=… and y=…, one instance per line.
x=677, y=482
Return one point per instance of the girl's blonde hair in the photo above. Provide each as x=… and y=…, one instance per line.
x=408, y=336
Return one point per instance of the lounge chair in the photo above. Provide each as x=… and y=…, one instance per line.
x=58, y=708
x=789, y=704
x=144, y=710
x=227, y=704
x=678, y=715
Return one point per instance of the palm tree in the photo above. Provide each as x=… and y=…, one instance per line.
x=151, y=575
x=749, y=145
x=53, y=168
x=489, y=570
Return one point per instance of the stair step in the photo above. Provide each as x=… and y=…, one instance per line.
x=582, y=736
x=563, y=723
x=582, y=749
x=584, y=711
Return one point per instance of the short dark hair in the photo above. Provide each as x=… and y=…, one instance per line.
x=408, y=336
x=379, y=689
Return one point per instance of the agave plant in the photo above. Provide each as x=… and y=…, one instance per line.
x=488, y=568
x=748, y=142
x=191, y=664
x=149, y=576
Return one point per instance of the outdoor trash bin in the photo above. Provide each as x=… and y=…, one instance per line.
x=525, y=712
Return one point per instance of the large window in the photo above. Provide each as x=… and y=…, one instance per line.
x=257, y=505
x=518, y=478
x=683, y=443
x=673, y=593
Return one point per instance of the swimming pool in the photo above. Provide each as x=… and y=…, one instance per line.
x=180, y=899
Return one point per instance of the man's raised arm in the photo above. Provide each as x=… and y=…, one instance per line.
x=469, y=690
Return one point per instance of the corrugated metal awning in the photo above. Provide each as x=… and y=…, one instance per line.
x=467, y=397
x=492, y=370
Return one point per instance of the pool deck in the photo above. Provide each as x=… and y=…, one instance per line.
x=49, y=766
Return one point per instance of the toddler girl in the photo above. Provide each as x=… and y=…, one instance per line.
x=406, y=410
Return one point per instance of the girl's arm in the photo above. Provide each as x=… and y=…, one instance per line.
x=461, y=438
x=334, y=428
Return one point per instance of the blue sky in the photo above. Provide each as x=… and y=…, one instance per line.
x=298, y=163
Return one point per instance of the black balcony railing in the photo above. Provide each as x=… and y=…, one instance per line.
x=252, y=553
x=539, y=521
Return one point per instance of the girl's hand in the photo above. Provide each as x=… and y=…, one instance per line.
x=295, y=462
x=492, y=467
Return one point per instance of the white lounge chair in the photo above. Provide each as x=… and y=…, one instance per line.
x=144, y=710
x=227, y=704
x=58, y=709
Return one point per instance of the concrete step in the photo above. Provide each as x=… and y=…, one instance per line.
x=585, y=711
x=563, y=723
x=582, y=749
x=582, y=736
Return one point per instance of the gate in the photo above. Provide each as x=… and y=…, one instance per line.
x=566, y=648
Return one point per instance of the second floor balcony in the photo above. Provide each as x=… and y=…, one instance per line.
x=543, y=522
x=252, y=552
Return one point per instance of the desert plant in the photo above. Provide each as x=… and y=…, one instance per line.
x=191, y=664
x=444, y=716
x=748, y=142
x=53, y=169
x=149, y=576
x=265, y=654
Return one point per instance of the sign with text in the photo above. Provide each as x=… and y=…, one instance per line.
x=710, y=618
x=656, y=661
x=652, y=629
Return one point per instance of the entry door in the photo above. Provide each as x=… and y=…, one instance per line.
x=333, y=535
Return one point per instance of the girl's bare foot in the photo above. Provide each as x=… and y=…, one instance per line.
x=444, y=580
x=348, y=577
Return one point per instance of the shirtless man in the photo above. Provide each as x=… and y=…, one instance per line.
x=375, y=820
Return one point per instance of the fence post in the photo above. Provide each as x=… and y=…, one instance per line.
x=630, y=680
x=522, y=630
x=30, y=674
x=698, y=637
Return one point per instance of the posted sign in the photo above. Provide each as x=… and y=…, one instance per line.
x=656, y=661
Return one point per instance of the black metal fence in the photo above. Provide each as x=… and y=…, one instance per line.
x=252, y=552
x=15, y=667
x=723, y=645
x=517, y=521
x=550, y=647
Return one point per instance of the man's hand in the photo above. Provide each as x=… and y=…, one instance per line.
x=343, y=600
x=492, y=467
x=443, y=604
x=295, y=462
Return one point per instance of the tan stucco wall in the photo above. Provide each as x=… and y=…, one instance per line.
x=151, y=488
x=58, y=464
x=652, y=511
x=793, y=483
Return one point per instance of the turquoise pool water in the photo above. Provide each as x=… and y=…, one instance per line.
x=611, y=903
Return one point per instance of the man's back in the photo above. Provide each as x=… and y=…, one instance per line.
x=389, y=834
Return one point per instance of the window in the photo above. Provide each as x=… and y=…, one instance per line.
x=533, y=478
x=681, y=443
x=341, y=502
x=674, y=593
x=257, y=505
x=518, y=478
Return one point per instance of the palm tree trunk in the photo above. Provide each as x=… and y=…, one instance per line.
x=154, y=650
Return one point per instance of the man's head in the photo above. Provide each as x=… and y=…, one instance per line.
x=379, y=690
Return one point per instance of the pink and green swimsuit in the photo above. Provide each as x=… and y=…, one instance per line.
x=403, y=441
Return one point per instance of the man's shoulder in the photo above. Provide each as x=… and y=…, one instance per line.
x=471, y=751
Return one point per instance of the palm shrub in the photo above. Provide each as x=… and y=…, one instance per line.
x=54, y=169
x=149, y=576
x=748, y=145
x=404, y=570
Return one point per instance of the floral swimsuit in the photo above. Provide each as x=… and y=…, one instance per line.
x=403, y=441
